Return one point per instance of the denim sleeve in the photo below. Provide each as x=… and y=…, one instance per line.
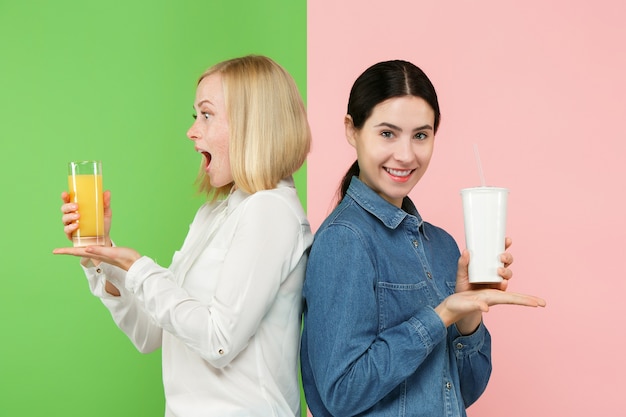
x=473, y=357
x=352, y=365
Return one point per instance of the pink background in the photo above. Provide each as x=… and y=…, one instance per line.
x=539, y=87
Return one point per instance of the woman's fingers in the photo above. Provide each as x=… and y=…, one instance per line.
x=118, y=256
x=70, y=215
x=74, y=251
x=462, y=304
x=496, y=297
x=507, y=259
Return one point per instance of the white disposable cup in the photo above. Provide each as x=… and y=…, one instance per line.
x=484, y=214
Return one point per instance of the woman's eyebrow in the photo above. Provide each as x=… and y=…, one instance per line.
x=205, y=101
x=392, y=126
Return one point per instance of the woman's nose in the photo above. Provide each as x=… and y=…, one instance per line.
x=403, y=151
x=192, y=133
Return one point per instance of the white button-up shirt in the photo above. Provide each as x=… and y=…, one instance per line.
x=227, y=311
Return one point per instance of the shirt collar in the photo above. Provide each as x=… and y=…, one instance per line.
x=390, y=215
x=237, y=195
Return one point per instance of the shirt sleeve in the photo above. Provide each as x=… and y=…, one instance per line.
x=473, y=357
x=266, y=245
x=126, y=312
x=353, y=364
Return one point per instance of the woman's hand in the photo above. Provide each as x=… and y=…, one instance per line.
x=466, y=305
x=462, y=274
x=71, y=215
x=121, y=257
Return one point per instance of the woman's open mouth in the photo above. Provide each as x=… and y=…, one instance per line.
x=207, y=159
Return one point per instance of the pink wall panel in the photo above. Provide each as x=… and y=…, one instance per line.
x=539, y=87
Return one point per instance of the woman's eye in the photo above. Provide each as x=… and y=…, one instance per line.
x=204, y=114
x=386, y=134
x=421, y=136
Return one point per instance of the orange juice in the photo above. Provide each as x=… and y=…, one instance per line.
x=86, y=190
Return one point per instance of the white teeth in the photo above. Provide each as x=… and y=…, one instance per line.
x=399, y=173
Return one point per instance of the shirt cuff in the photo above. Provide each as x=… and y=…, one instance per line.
x=468, y=344
x=138, y=272
x=428, y=327
x=97, y=275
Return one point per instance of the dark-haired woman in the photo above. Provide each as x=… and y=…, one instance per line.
x=392, y=326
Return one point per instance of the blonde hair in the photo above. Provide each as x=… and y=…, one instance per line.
x=270, y=136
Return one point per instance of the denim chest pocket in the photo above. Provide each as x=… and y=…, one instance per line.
x=398, y=302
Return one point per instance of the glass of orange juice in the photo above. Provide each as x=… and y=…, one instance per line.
x=85, y=186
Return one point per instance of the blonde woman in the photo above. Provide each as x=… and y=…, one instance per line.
x=226, y=312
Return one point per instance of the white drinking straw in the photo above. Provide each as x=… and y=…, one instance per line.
x=480, y=166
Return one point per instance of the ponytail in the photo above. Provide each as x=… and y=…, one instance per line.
x=353, y=171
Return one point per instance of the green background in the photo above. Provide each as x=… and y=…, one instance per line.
x=115, y=81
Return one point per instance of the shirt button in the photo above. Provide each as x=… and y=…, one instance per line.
x=428, y=274
x=448, y=385
x=459, y=346
x=99, y=270
x=221, y=351
x=416, y=243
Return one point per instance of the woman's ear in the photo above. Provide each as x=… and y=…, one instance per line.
x=351, y=131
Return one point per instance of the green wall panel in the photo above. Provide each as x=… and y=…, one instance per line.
x=113, y=81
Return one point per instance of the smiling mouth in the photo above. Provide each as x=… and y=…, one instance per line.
x=401, y=173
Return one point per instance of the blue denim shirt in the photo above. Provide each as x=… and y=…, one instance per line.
x=372, y=344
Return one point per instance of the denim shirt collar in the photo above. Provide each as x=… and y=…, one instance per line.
x=390, y=215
